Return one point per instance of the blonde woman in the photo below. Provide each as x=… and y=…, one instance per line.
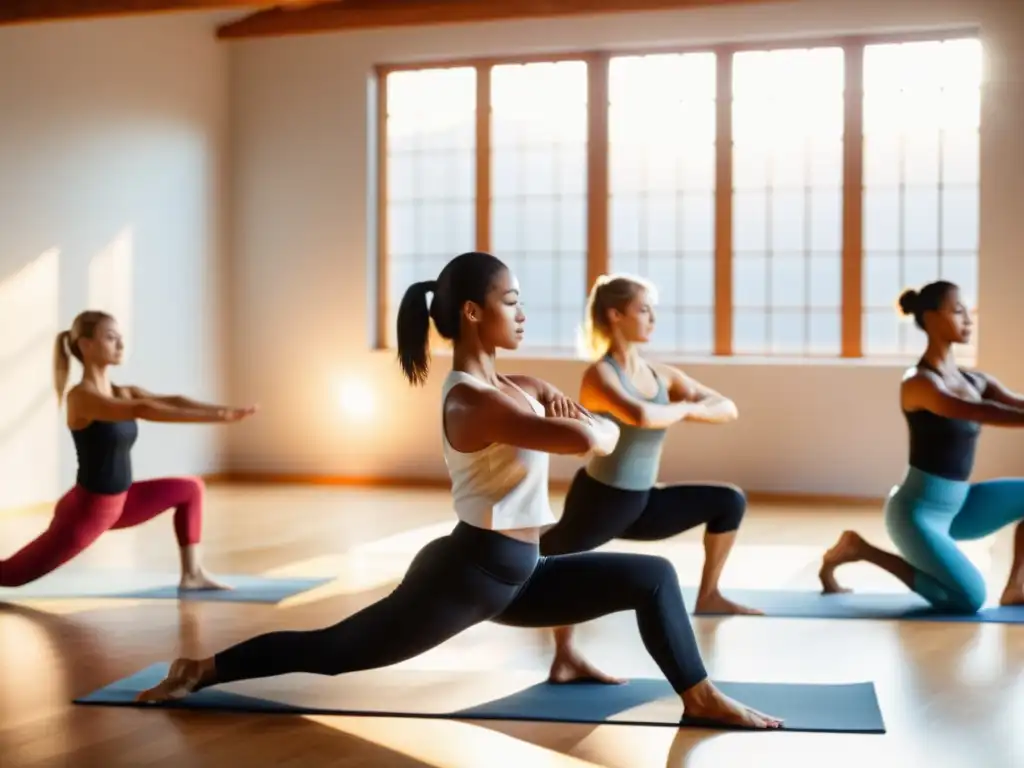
x=616, y=496
x=103, y=418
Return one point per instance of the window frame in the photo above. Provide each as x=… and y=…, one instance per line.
x=597, y=183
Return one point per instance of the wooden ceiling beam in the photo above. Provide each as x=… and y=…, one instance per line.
x=28, y=11
x=367, y=14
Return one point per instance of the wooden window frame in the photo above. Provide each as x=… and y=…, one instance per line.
x=598, y=191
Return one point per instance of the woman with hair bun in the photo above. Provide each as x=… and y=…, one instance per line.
x=936, y=505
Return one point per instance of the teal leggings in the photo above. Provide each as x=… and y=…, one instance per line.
x=926, y=515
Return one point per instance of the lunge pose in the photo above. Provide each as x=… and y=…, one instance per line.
x=615, y=496
x=498, y=432
x=935, y=505
x=102, y=419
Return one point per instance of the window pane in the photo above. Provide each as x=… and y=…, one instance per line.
x=826, y=224
x=788, y=215
x=921, y=108
x=825, y=334
x=788, y=332
x=788, y=282
x=749, y=331
x=662, y=171
x=698, y=282
x=750, y=222
x=697, y=331
x=430, y=154
x=825, y=283
x=788, y=152
x=698, y=222
x=882, y=219
x=882, y=277
x=660, y=223
x=920, y=218
x=538, y=183
x=960, y=226
x=750, y=282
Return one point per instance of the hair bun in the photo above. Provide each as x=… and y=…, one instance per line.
x=909, y=300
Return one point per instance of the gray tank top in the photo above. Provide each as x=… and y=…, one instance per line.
x=634, y=464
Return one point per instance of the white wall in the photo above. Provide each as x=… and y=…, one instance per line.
x=303, y=286
x=112, y=152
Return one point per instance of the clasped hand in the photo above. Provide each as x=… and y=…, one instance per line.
x=560, y=406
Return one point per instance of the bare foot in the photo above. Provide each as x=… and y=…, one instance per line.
x=706, y=704
x=714, y=602
x=182, y=679
x=200, y=581
x=846, y=550
x=1012, y=596
x=571, y=668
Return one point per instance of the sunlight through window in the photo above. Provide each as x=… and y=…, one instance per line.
x=538, y=192
x=787, y=214
x=661, y=126
x=922, y=104
x=431, y=177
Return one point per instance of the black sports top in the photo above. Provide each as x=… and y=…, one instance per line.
x=943, y=446
x=104, y=455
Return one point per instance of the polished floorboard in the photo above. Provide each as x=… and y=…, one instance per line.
x=952, y=694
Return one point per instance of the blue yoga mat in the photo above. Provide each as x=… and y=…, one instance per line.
x=119, y=585
x=902, y=606
x=501, y=695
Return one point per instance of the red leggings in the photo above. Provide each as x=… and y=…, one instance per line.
x=82, y=517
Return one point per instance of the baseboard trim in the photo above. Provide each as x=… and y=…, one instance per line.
x=774, y=498
x=766, y=498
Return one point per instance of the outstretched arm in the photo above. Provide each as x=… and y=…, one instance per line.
x=87, y=405
x=176, y=401
x=925, y=391
x=707, y=405
x=996, y=392
x=476, y=418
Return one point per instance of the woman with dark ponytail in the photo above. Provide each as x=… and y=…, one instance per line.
x=498, y=433
x=935, y=505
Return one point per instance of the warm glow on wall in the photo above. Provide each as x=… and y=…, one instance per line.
x=356, y=399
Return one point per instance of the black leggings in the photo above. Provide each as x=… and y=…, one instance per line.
x=596, y=513
x=474, y=575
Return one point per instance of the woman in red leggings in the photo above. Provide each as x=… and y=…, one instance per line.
x=102, y=419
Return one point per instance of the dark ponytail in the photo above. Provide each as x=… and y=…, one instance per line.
x=414, y=331
x=467, y=277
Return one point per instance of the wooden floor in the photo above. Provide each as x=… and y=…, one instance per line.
x=952, y=695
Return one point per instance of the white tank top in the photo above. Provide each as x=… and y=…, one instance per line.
x=500, y=487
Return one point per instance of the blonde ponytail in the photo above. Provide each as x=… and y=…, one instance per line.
x=61, y=364
x=66, y=346
x=608, y=292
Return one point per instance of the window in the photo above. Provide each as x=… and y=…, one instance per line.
x=538, y=142
x=921, y=157
x=787, y=124
x=661, y=150
x=430, y=190
x=779, y=197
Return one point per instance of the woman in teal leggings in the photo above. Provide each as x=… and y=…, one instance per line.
x=935, y=505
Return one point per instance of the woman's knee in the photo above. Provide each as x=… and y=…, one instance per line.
x=657, y=571
x=968, y=597
x=731, y=503
x=195, y=487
